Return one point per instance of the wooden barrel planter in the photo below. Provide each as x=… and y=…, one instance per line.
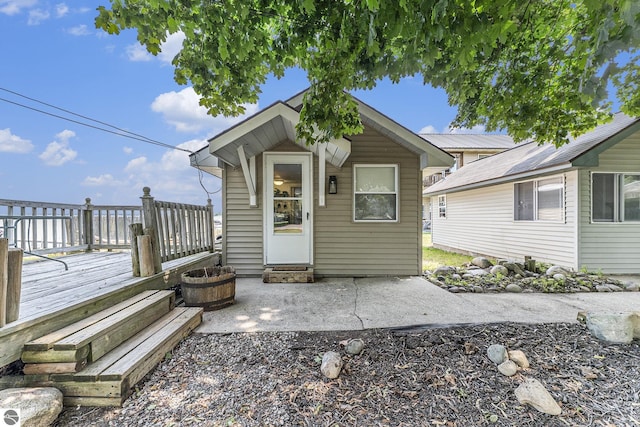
x=212, y=288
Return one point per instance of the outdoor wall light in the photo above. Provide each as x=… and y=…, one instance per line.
x=333, y=185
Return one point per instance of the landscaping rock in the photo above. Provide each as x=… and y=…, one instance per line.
x=560, y=277
x=331, y=364
x=532, y=392
x=456, y=276
x=444, y=271
x=508, y=368
x=476, y=272
x=556, y=269
x=497, y=353
x=499, y=270
x=477, y=289
x=603, y=288
x=519, y=358
x=514, y=268
x=354, y=346
x=39, y=407
x=614, y=288
x=632, y=287
x=513, y=288
x=481, y=262
x=613, y=328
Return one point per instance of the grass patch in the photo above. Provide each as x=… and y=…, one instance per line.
x=433, y=258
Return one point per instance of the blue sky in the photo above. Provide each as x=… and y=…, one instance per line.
x=52, y=52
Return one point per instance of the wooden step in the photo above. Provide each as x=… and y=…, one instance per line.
x=71, y=348
x=110, y=380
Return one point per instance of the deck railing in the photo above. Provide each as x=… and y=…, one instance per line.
x=46, y=228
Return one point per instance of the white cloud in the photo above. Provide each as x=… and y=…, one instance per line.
x=79, y=30
x=61, y=10
x=102, y=180
x=183, y=111
x=168, y=50
x=171, y=47
x=127, y=150
x=478, y=129
x=428, y=129
x=13, y=7
x=10, y=143
x=59, y=152
x=137, y=53
x=36, y=16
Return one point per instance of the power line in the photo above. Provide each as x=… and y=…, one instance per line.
x=121, y=132
x=118, y=131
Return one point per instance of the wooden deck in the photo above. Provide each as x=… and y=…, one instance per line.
x=53, y=297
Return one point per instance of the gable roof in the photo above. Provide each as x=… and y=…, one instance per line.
x=276, y=123
x=529, y=158
x=472, y=142
x=430, y=155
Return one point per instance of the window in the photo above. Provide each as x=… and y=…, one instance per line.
x=539, y=200
x=442, y=206
x=375, y=193
x=615, y=197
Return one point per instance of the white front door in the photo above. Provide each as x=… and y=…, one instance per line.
x=288, y=219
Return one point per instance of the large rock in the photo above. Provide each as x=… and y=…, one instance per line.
x=532, y=392
x=519, y=358
x=508, y=368
x=497, y=353
x=556, y=269
x=613, y=328
x=444, y=271
x=331, y=364
x=513, y=288
x=475, y=273
x=354, y=346
x=499, y=270
x=514, y=268
x=481, y=262
x=39, y=407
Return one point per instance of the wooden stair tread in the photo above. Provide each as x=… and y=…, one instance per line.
x=89, y=333
x=93, y=371
x=109, y=381
x=47, y=341
x=90, y=340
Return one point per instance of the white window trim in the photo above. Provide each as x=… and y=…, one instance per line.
x=444, y=205
x=618, y=214
x=397, y=192
x=535, y=200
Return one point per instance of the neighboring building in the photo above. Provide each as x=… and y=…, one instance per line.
x=576, y=206
x=351, y=207
x=465, y=149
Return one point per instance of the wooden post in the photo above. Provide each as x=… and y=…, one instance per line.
x=211, y=226
x=146, y=256
x=14, y=284
x=155, y=248
x=4, y=278
x=135, y=231
x=88, y=224
x=149, y=220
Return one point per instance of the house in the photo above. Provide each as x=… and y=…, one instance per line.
x=576, y=206
x=465, y=148
x=349, y=207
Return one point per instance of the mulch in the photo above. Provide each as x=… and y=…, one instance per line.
x=410, y=377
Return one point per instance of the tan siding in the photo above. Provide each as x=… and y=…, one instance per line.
x=346, y=248
x=610, y=247
x=242, y=226
x=481, y=221
x=341, y=247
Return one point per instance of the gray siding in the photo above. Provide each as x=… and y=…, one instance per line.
x=242, y=225
x=341, y=246
x=480, y=221
x=346, y=248
x=610, y=247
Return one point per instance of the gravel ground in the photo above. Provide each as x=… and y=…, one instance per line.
x=429, y=377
